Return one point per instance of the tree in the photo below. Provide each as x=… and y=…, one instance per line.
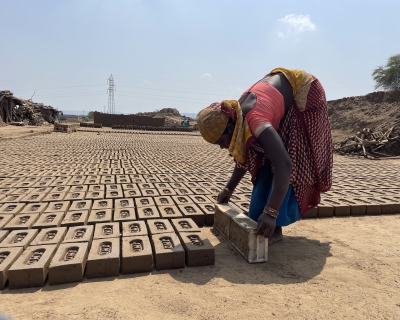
x=90, y=115
x=388, y=77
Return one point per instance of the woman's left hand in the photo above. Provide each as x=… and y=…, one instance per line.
x=266, y=225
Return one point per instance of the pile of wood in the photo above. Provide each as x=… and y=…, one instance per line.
x=29, y=116
x=371, y=144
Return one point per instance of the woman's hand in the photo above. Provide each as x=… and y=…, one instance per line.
x=266, y=225
x=224, y=196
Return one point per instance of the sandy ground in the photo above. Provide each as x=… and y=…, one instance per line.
x=340, y=268
x=13, y=132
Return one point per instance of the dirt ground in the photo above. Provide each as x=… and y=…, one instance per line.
x=341, y=268
x=13, y=132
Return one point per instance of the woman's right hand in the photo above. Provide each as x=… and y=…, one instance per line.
x=224, y=196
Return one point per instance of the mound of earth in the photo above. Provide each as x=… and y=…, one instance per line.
x=377, y=110
x=172, y=116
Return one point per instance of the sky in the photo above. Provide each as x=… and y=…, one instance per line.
x=187, y=54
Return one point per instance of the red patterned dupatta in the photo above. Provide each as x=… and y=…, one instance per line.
x=308, y=141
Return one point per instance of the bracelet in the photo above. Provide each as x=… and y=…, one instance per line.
x=226, y=189
x=271, y=212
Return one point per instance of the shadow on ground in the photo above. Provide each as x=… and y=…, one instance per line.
x=293, y=260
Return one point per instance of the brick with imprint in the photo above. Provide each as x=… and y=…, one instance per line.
x=12, y=199
x=102, y=204
x=182, y=200
x=137, y=255
x=132, y=193
x=69, y=262
x=79, y=234
x=75, y=218
x=60, y=206
x=12, y=208
x=104, y=258
x=150, y=193
x=50, y=236
x=81, y=205
x=49, y=220
x=73, y=196
x=157, y=226
x=107, y=230
x=33, y=197
x=193, y=212
x=35, y=207
x=164, y=201
x=134, y=228
x=22, y=221
x=125, y=214
x=168, y=251
x=54, y=196
x=170, y=212
x=94, y=195
x=198, y=249
x=144, y=202
x=150, y=212
x=7, y=259
x=98, y=216
x=124, y=203
x=31, y=268
x=185, y=225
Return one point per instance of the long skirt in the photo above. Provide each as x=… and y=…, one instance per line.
x=289, y=211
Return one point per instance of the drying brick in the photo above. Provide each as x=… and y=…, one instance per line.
x=68, y=264
x=7, y=258
x=19, y=238
x=198, y=249
x=168, y=251
x=103, y=260
x=50, y=236
x=31, y=268
x=137, y=255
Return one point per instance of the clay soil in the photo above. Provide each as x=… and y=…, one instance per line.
x=343, y=268
x=377, y=110
x=14, y=132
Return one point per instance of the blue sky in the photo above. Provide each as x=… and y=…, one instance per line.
x=187, y=54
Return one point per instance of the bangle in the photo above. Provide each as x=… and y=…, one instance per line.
x=230, y=191
x=271, y=212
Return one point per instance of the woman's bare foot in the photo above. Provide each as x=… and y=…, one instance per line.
x=277, y=236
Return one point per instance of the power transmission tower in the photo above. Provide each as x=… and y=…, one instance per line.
x=111, y=88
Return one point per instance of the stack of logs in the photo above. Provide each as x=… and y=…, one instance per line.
x=368, y=143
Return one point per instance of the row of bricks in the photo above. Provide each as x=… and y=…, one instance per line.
x=98, y=194
x=171, y=250
x=202, y=214
x=63, y=206
x=140, y=183
x=355, y=207
x=30, y=178
x=133, y=199
x=80, y=192
x=65, y=175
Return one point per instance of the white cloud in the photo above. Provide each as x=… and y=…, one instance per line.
x=206, y=75
x=147, y=82
x=294, y=24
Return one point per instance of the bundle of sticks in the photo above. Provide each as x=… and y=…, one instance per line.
x=368, y=143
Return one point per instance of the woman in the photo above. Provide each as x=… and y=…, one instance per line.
x=278, y=131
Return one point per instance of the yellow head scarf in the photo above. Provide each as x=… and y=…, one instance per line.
x=213, y=120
